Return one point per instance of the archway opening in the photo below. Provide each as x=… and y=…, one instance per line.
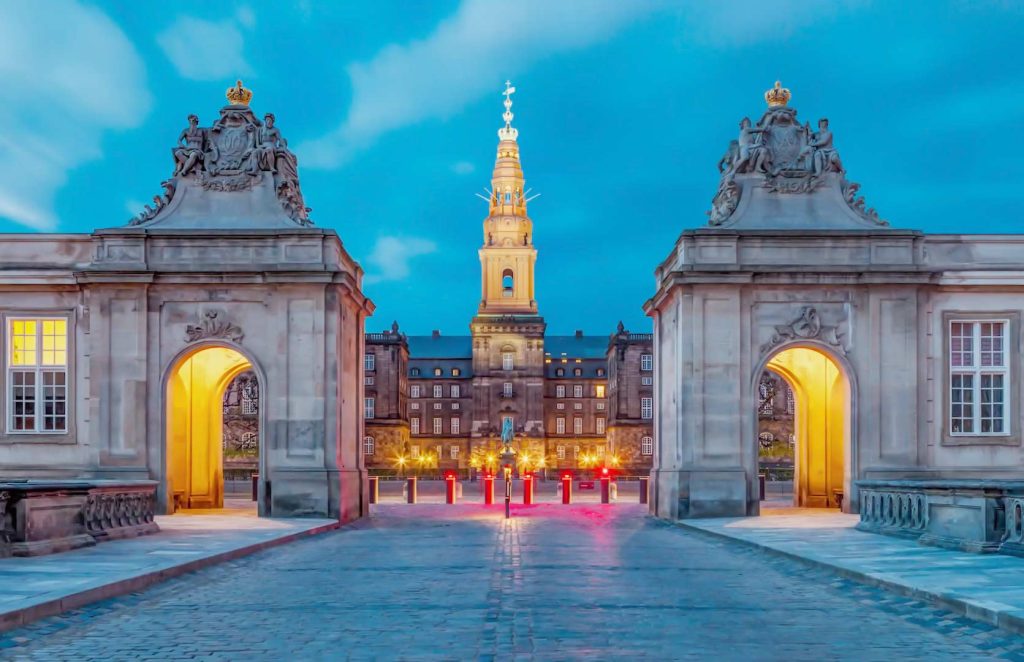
x=213, y=431
x=803, y=429
x=507, y=282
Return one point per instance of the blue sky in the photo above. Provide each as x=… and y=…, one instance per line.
x=623, y=110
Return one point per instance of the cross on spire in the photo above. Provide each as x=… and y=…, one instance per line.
x=508, y=133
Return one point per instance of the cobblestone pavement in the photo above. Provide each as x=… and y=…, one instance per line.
x=437, y=582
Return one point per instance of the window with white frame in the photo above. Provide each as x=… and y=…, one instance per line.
x=647, y=362
x=368, y=445
x=599, y=406
x=368, y=380
x=455, y=425
x=438, y=452
x=414, y=391
x=559, y=405
x=577, y=425
x=414, y=425
x=561, y=452
x=575, y=452
x=454, y=452
x=577, y=405
x=368, y=407
x=454, y=391
x=369, y=361
x=560, y=391
x=414, y=406
x=438, y=424
x=415, y=451
x=437, y=372
x=600, y=425
x=646, y=407
x=577, y=390
x=560, y=425
x=455, y=405
x=508, y=360
x=456, y=372
x=438, y=391
x=37, y=375
x=979, y=378
x=646, y=445
x=506, y=389
x=599, y=390
x=437, y=405
x=647, y=381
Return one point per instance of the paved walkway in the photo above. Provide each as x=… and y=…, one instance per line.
x=442, y=582
x=989, y=587
x=40, y=586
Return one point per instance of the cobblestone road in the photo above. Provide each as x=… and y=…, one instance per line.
x=436, y=582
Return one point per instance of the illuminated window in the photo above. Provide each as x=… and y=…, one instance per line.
x=599, y=391
x=368, y=407
x=438, y=425
x=438, y=391
x=575, y=452
x=438, y=452
x=577, y=425
x=455, y=424
x=560, y=391
x=577, y=390
x=508, y=360
x=368, y=362
x=37, y=366
x=646, y=446
x=437, y=372
x=414, y=425
x=979, y=379
x=646, y=407
x=561, y=452
x=647, y=362
x=456, y=372
x=600, y=425
x=560, y=425
x=368, y=446
x=415, y=451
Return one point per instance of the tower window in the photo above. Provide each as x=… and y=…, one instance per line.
x=508, y=197
x=506, y=283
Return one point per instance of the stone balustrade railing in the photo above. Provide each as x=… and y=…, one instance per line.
x=969, y=515
x=41, y=517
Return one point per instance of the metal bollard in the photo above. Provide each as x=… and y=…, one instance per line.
x=644, y=488
x=374, y=489
x=410, y=489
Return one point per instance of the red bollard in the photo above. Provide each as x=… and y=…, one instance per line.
x=606, y=486
x=566, y=488
x=527, y=489
x=488, y=490
x=449, y=487
x=410, y=489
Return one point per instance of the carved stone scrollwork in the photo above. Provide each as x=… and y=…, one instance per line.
x=210, y=327
x=725, y=203
x=807, y=326
x=857, y=204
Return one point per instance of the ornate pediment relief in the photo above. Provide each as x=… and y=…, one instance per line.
x=212, y=326
x=808, y=326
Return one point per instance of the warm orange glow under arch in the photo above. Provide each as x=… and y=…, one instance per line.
x=195, y=426
x=821, y=424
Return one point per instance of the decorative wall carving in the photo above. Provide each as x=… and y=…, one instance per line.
x=807, y=326
x=106, y=511
x=901, y=512
x=211, y=327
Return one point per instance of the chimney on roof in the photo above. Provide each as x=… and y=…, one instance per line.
x=579, y=333
x=436, y=333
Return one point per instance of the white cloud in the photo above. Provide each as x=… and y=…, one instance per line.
x=746, y=22
x=68, y=74
x=207, y=50
x=463, y=168
x=390, y=257
x=467, y=56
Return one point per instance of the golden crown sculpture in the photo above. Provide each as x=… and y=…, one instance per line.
x=238, y=95
x=777, y=96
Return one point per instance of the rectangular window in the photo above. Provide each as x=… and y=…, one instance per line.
x=414, y=406
x=577, y=405
x=437, y=405
x=646, y=446
x=560, y=425
x=438, y=424
x=979, y=378
x=455, y=423
x=561, y=452
x=577, y=390
x=368, y=380
x=560, y=391
x=575, y=452
x=647, y=381
x=369, y=361
x=454, y=391
x=415, y=450
x=647, y=362
x=368, y=446
x=438, y=452
x=506, y=389
x=560, y=405
x=600, y=426
x=599, y=406
x=507, y=361
x=646, y=407
x=37, y=367
x=438, y=391
x=368, y=407
x=577, y=425
x=414, y=391
x=455, y=405
x=454, y=452
x=414, y=425
x=599, y=390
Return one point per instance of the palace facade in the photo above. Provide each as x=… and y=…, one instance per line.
x=438, y=402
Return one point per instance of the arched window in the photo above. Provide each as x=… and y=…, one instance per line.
x=560, y=372
x=368, y=446
x=456, y=372
x=415, y=372
x=600, y=372
x=437, y=372
x=577, y=372
x=506, y=282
